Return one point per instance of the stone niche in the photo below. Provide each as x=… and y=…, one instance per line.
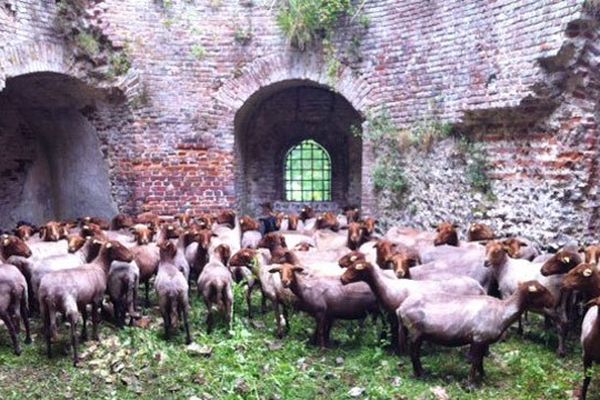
x=280, y=116
x=52, y=165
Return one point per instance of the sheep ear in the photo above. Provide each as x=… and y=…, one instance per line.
x=109, y=245
x=587, y=272
x=359, y=266
x=275, y=269
x=566, y=259
x=298, y=269
x=5, y=242
x=532, y=289
x=214, y=235
x=353, y=258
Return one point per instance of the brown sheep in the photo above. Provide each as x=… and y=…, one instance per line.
x=328, y=221
x=592, y=254
x=51, y=231
x=148, y=218
x=446, y=234
x=25, y=230
x=306, y=212
x=70, y=291
x=480, y=232
x=172, y=288
x=477, y=321
x=121, y=221
x=215, y=285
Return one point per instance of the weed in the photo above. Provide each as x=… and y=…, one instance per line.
x=198, y=51
x=88, y=43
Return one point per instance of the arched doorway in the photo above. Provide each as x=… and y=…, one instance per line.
x=52, y=166
x=281, y=116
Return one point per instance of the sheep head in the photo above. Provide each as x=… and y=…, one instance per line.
x=561, y=263
x=446, y=234
x=14, y=246
x=350, y=258
x=536, y=295
x=357, y=271
x=287, y=273
x=583, y=277
x=479, y=232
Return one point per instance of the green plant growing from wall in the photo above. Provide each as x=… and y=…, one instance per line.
x=388, y=175
x=477, y=167
x=198, y=51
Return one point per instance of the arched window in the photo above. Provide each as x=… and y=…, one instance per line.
x=307, y=173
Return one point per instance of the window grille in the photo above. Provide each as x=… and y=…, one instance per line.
x=307, y=173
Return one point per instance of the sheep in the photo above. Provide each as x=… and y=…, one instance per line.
x=50, y=232
x=13, y=304
x=446, y=234
x=357, y=236
x=508, y=272
x=328, y=221
x=293, y=239
x=172, y=288
x=121, y=221
x=521, y=248
x=272, y=288
x=352, y=214
x=369, y=225
x=480, y=232
x=215, y=285
x=329, y=240
x=24, y=230
x=122, y=289
x=590, y=341
x=101, y=222
x=148, y=218
x=276, y=244
x=592, y=254
x=197, y=245
x=326, y=299
x=452, y=319
x=70, y=291
x=227, y=231
x=250, y=232
x=391, y=292
x=81, y=251
x=586, y=277
x=240, y=265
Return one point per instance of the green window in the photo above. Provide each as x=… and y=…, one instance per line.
x=307, y=173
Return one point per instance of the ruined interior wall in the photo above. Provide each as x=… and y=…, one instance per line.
x=172, y=148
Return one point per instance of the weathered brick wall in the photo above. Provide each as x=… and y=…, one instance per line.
x=171, y=144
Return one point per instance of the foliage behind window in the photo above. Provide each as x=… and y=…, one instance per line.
x=307, y=173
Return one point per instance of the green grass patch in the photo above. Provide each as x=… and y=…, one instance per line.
x=249, y=362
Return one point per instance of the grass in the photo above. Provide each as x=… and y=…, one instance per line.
x=249, y=362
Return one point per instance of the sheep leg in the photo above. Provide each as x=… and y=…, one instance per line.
x=520, y=326
x=279, y=318
x=228, y=303
x=286, y=318
x=415, y=356
x=84, y=317
x=25, y=317
x=328, y=326
x=95, y=320
x=249, y=300
x=184, y=316
x=321, y=330
x=586, y=379
x=74, y=341
x=209, y=316
x=47, y=329
x=148, y=293
x=401, y=338
x=12, y=331
x=263, y=301
x=476, y=353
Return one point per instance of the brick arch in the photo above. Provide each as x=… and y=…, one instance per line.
x=267, y=71
x=33, y=57
x=269, y=75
